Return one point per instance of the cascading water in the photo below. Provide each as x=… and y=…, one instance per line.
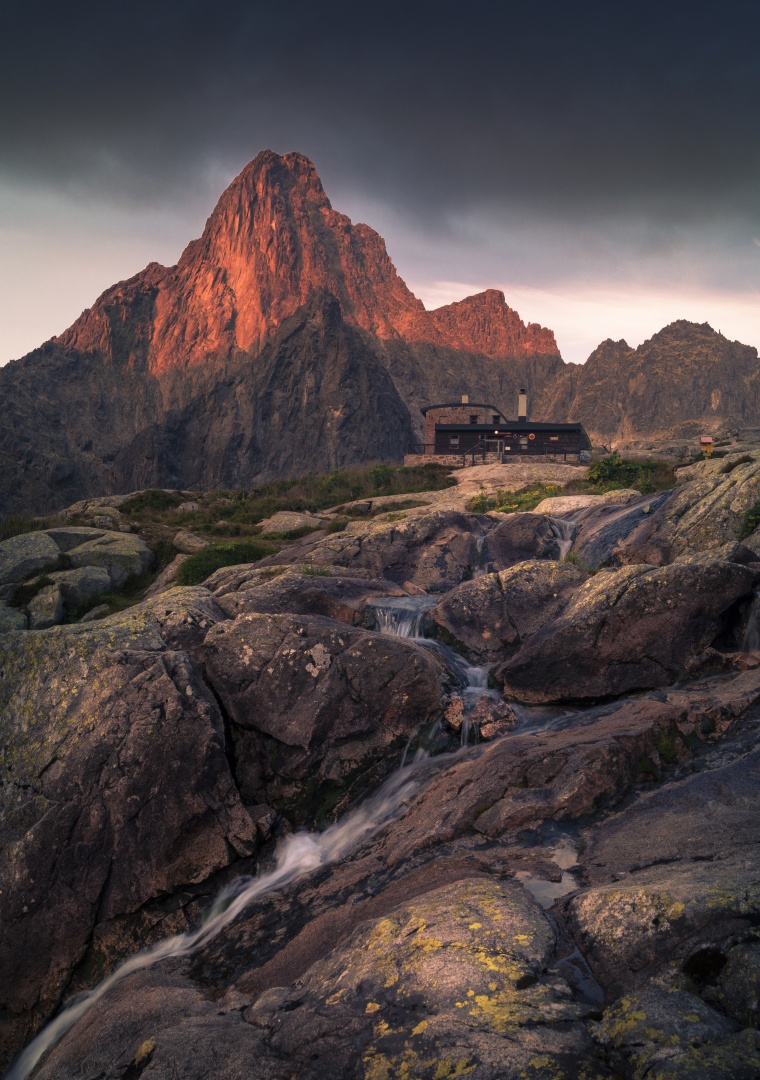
x=296, y=856
x=564, y=531
x=405, y=617
x=481, y=569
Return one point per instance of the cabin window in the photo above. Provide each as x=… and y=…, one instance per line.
x=496, y=418
x=474, y=418
x=453, y=441
x=523, y=442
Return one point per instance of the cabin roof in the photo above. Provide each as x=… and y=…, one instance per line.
x=462, y=405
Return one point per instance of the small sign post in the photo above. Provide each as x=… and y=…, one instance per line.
x=706, y=444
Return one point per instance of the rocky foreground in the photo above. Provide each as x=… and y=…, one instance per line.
x=577, y=894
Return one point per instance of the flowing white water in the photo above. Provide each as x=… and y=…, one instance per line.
x=405, y=617
x=296, y=856
x=565, y=531
x=482, y=568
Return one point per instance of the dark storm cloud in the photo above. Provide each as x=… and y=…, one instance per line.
x=578, y=109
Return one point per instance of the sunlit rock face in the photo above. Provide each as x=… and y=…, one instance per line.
x=272, y=240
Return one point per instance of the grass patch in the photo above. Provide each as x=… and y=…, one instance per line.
x=227, y=513
x=338, y=525
x=402, y=504
x=513, y=502
x=614, y=473
x=16, y=526
x=315, y=571
x=155, y=500
x=750, y=521
x=201, y=565
x=574, y=558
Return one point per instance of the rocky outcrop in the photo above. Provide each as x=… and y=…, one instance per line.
x=489, y=618
x=434, y=551
x=628, y=629
x=281, y=590
x=57, y=572
x=115, y=790
x=316, y=701
x=164, y=757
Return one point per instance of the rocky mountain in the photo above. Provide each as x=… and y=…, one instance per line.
x=284, y=340
x=686, y=380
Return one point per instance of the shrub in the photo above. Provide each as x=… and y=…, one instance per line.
x=338, y=525
x=155, y=499
x=750, y=521
x=201, y=565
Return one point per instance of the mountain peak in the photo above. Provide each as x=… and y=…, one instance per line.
x=272, y=239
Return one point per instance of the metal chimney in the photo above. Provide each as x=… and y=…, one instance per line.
x=522, y=405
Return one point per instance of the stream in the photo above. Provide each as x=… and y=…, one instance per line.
x=302, y=853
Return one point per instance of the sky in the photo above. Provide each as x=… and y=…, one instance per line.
x=599, y=162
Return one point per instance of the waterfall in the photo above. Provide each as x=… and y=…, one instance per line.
x=564, y=531
x=751, y=639
x=481, y=569
x=297, y=855
x=403, y=616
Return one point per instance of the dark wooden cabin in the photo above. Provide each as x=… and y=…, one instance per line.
x=470, y=428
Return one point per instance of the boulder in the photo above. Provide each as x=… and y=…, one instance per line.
x=457, y=981
x=81, y=586
x=490, y=617
x=704, y=512
x=337, y=597
x=613, y=535
x=71, y=536
x=188, y=543
x=98, y=612
x=434, y=551
x=285, y=521
x=669, y=1033
x=561, y=505
x=628, y=629
x=312, y=698
x=520, y=537
x=116, y=789
x=24, y=556
x=122, y=555
x=46, y=608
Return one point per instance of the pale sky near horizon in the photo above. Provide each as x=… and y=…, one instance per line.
x=598, y=163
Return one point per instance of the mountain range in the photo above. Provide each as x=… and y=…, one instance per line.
x=285, y=342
